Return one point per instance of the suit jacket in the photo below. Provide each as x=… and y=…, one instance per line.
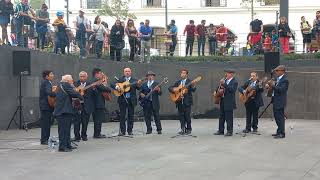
x=229, y=99
x=258, y=97
x=187, y=98
x=98, y=99
x=155, y=94
x=280, y=90
x=45, y=91
x=64, y=99
x=133, y=89
x=88, y=104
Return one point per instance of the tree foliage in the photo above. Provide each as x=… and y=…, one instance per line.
x=118, y=9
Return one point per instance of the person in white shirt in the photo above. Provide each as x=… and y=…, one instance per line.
x=82, y=26
x=99, y=31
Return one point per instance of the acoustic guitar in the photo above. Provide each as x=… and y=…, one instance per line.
x=145, y=99
x=180, y=91
x=52, y=100
x=124, y=87
x=219, y=93
x=249, y=93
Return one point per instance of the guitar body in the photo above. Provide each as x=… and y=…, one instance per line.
x=142, y=101
x=178, y=93
x=124, y=87
x=52, y=100
x=218, y=95
x=245, y=97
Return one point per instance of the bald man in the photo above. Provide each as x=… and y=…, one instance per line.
x=127, y=101
x=64, y=111
x=83, y=114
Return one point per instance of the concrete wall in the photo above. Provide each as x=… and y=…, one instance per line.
x=303, y=100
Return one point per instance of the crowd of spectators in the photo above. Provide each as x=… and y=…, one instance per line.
x=29, y=27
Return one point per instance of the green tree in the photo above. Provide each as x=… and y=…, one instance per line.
x=36, y=4
x=118, y=9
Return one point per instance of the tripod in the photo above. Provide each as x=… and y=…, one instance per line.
x=19, y=109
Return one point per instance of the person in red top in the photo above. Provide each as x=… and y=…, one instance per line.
x=267, y=43
x=222, y=37
x=190, y=29
x=201, y=32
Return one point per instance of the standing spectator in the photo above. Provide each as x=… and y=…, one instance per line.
x=23, y=18
x=274, y=40
x=316, y=28
x=222, y=38
x=82, y=26
x=285, y=34
x=62, y=39
x=201, y=32
x=100, y=32
x=139, y=38
x=212, y=39
x=6, y=9
x=145, y=35
x=106, y=47
x=41, y=25
x=173, y=31
x=306, y=31
x=190, y=29
x=132, y=34
x=116, y=40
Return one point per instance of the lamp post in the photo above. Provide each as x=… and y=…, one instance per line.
x=166, y=13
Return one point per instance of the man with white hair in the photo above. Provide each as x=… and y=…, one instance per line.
x=64, y=112
x=87, y=107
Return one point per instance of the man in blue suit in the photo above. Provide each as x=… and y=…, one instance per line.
x=99, y=102
x=86, y=108
x=184, y=105
x=64, y=111
x=127, y=101
x=228, y=103
x=46, y=118
x=254, y=103
x=279, y=99
x=151, y=105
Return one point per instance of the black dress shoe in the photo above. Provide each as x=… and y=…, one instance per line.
x=65, y=150
x=159, y=132
x=228, y=134
x=218, y=133
x=44, y=143
x=84, y=139
x=276, y=134
x=280, y=136
x=149, y=132
x=121, y=134
x=181, y=132
x=76, y=139
x=101, y=136
x=246, y=131
x=255, y=130
x=188, y=132
x=130, y=133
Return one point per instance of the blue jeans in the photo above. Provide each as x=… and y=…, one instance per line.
x=212, y=47
x=201, y=44
x=82, y=45
x=19, y=23
x=41, y=40
x=98, y=47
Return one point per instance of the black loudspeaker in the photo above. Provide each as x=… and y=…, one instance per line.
x=271, y=61
x=21, y=63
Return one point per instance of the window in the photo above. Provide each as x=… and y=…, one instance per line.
x=270, y=2
x=153, y=3
x=216, y=3
x=93, y=4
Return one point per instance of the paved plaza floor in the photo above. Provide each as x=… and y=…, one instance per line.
x=160, y=157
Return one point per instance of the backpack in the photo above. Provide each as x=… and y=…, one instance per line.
x=256, y=25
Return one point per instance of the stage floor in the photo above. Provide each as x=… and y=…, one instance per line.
x=160, y=157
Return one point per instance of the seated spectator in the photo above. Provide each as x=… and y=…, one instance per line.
x=62, y=39
x=42, y=25
x=23, y=18
x=6, y=9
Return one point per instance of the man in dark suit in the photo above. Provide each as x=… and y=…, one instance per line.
x=279, y=99
x=46, y=118
x=64, y=111
x=127, y=101
x=254, y=103
x=228, y=103
x=184, y=105
x=99, y=102
x=151, y=103
x=86, y=108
